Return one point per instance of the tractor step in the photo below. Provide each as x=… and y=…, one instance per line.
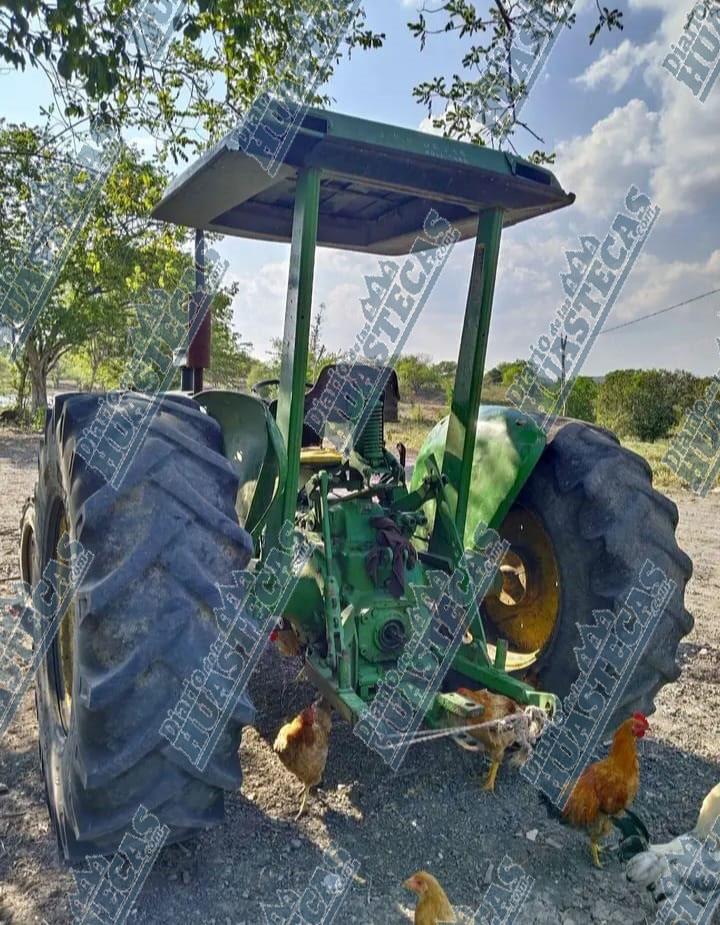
x=460, y=706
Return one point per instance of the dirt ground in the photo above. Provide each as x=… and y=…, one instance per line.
x=432, y=814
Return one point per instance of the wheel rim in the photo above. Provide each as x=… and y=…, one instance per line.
x=525, y=611
x=63, y=648
x=27, y=554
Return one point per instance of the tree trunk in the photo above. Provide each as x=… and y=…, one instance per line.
x=38, y=389
x=37, y=368
x=94, y=367
x=22, y=372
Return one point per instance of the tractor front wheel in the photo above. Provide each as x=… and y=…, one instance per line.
x=584, y=524
x=142, y=619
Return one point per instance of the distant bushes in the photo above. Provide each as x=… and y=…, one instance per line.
x=581, y=403
x=420, y=378
x=646, y=403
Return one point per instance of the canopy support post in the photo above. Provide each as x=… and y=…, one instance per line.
x=296, y=335
x=460, y=441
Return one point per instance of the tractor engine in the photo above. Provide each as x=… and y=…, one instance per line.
x=354, y=594
x=373, y=563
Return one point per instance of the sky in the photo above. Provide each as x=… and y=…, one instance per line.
x=613, y=116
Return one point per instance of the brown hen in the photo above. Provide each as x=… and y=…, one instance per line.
x=302, y=746
x=495, y=734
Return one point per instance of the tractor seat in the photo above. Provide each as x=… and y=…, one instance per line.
x=343, y=402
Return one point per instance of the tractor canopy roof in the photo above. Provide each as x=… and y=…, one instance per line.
x=378, y=182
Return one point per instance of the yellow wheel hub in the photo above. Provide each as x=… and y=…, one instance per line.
x=526, y=609
x=66, y=646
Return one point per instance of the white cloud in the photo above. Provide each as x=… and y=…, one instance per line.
x=674, y=15
x=618, y=151
x=657, y=283
x=681, y=339
x=259, y=307
x=617, y=65
x=673, y=151
x=669, y=149
x=687, y=173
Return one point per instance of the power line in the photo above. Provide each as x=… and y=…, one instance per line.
x=662, y=311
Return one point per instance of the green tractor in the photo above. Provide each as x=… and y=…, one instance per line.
x=219, y=473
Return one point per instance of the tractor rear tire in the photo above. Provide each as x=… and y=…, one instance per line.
x=596, y=502
x=142, y=620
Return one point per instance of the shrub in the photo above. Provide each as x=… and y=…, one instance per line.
x=581, y=402
x=637, y=403
x=510, y=371
x=417, y=377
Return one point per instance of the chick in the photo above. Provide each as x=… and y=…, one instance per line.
x=433, y=906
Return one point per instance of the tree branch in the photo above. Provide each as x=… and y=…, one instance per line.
x=503, y=12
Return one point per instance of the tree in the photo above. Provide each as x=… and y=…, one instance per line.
x=318, y=354
x=118, y=259
x=685, y=390
x=100, y=60
x=637, y=403
x=651, y=405
x=230, y=359
x=493, y=376
x=416, y=375
x=581, y=400
x=484, y=106
x=510, y=371
x=613, y=401
x=446, y=369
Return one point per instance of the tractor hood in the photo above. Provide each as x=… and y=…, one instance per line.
x=508, y=445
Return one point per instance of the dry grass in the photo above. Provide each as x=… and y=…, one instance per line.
x=663, y=477
x=416, y=422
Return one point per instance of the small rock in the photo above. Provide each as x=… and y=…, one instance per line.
x=532, y=835
x=553, y=843
x=703, y=651
x=245, y=894
x=296, y=843
x=488, y=878
x=185, y=877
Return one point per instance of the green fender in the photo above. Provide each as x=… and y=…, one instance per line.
x=254, y=446
x=508, y=445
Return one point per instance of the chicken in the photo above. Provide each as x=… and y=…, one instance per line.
x=659, y=861
x=433, y=906
x=286, y=640
x=606, y=788
x=502, y=724
x=302, y=746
